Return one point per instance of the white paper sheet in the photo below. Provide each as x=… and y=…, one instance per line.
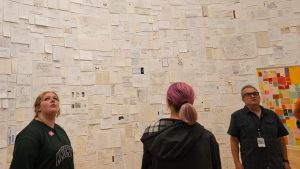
x=24, y=97
x=86, y=55
x=106, y=123
x=43, y=69
x=11, y=13
x=87, y=78
x=5, y=67
x=4, y=52
x=109, y=138
x=24, y=79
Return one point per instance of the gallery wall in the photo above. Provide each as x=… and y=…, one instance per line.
x=111, y=62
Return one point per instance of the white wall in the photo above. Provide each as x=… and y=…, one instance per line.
x=98, y=47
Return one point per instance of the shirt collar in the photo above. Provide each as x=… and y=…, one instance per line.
x=246, y=109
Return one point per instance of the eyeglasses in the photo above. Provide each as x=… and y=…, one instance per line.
x=253, y=94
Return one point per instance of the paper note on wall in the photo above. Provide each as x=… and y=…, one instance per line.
x=80, y=145
x=109, y=138
x=106, y=123
x=43, y=69
x=3, y=128
x=23, y=96
x=5, y=67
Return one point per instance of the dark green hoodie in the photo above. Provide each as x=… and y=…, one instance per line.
x=39, y=146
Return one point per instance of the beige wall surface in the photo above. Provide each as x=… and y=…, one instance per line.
x=294, y=154
x=91, y=52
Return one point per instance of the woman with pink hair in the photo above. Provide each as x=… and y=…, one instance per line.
x=179, y=141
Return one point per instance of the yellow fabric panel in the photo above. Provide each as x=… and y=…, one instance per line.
x=295, y=74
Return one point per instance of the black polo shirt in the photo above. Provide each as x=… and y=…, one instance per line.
x=245, y=124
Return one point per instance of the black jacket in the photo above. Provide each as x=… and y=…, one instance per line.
x=173, y=144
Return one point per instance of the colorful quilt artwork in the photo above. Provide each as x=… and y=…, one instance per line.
x=280, y=88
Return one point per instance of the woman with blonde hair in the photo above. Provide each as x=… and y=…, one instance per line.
x=43, y=144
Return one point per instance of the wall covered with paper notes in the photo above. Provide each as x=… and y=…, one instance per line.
x=111, y=61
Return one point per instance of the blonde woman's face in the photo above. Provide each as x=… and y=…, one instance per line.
x=49, y=104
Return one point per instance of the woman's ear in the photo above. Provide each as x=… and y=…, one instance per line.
x=38, y=108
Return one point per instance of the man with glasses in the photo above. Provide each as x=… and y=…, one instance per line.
x=258, y=133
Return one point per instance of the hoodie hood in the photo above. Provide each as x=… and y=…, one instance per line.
x=172, y=141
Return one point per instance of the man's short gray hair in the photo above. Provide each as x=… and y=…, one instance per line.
x=247, y=86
